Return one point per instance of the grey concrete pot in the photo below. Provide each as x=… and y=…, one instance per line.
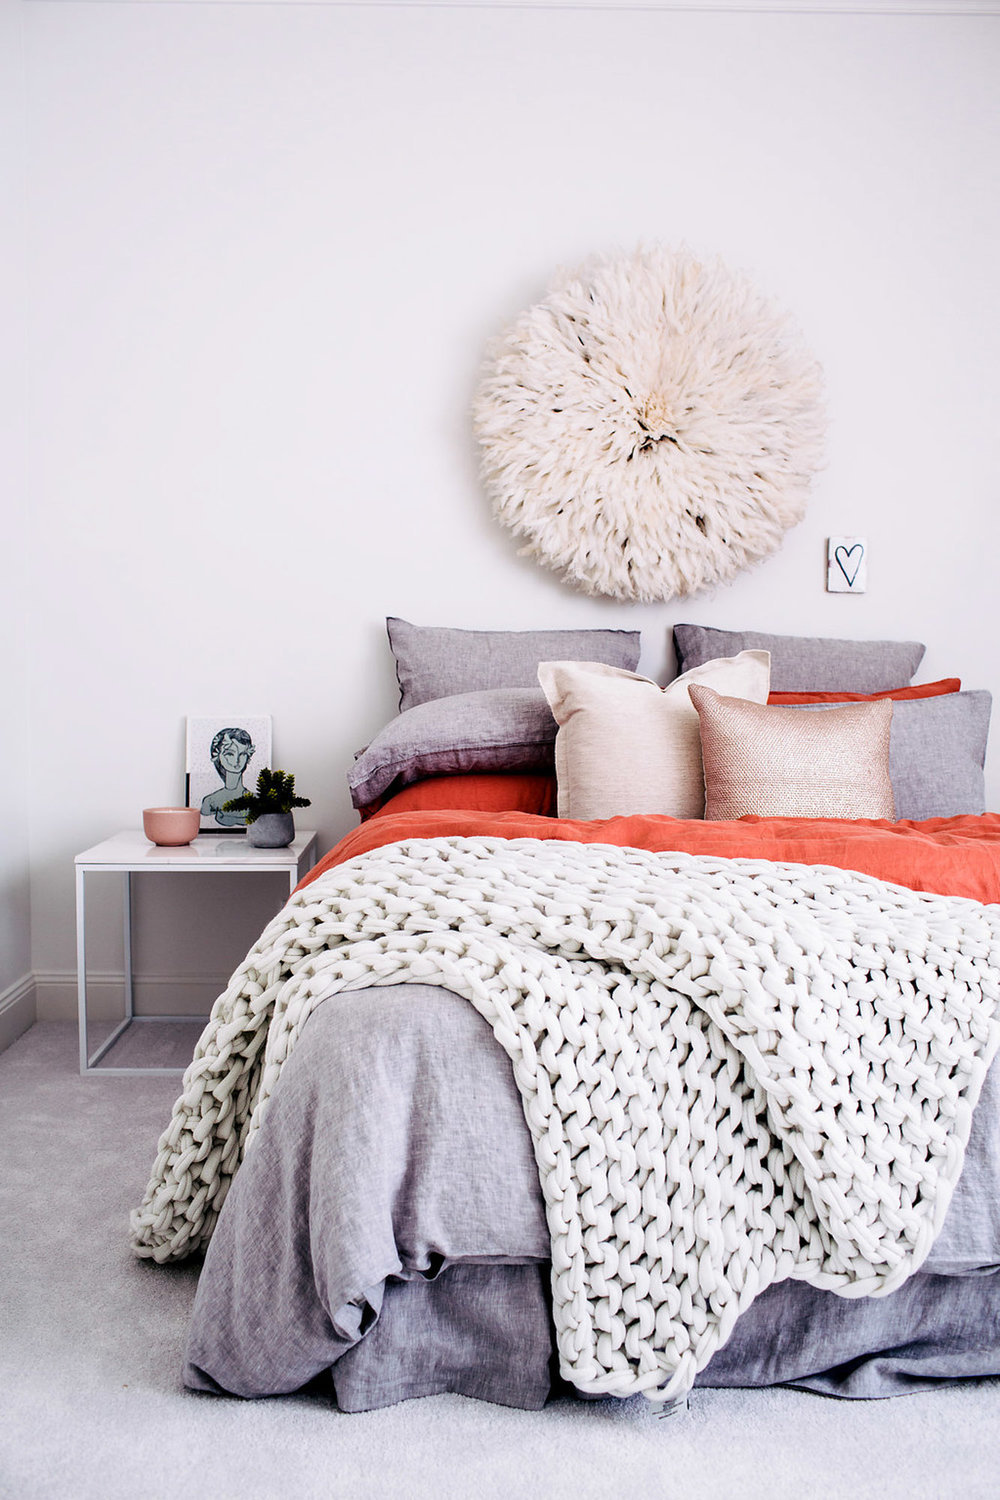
x=271, y=831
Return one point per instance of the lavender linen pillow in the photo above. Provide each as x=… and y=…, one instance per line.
x=777, y=762
x=438, y=662
x=803, y=663
x=499, y=729
x=937, y=749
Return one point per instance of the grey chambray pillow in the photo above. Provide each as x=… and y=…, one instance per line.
x=439, y=662
x=937, y=748
x=498, y=729
x=807, y=663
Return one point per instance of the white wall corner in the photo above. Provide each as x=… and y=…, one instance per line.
x=17, y=1010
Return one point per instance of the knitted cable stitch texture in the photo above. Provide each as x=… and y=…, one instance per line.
x=733, y=1071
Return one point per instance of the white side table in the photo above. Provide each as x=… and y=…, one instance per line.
x=130, y=853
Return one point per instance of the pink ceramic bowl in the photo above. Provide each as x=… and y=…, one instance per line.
x=171, y=825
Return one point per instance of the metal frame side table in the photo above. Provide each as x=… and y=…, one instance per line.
x=130, y=853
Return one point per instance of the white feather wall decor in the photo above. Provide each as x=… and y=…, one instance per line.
x=651, y=426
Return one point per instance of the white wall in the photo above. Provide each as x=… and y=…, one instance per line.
x=268, y=244
x=15, y=930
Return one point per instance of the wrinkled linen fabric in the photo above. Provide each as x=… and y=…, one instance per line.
x=807, y=662
x=497, y=730
x=955, y=856
x=394, y=1147
x=434, y=661
x=389, y=1227
x=733, y=1073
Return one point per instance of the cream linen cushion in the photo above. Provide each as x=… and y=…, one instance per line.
x=625, y=745
x=781, y=762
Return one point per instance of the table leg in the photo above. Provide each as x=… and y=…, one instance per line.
x=88, y=1064
x=81, y=965
x=127, y=942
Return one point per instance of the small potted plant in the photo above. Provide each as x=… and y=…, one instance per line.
x=270, y=824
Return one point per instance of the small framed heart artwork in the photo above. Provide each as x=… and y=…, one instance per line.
x=846, y=564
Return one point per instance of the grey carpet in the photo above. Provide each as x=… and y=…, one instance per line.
x=91, y=1403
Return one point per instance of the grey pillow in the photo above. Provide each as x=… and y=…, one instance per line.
x=438, y=662
x=936, y=753
x=499, y=729
x=806, y=663
x=937, y=747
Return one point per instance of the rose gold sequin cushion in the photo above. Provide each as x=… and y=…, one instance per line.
x=778, y=762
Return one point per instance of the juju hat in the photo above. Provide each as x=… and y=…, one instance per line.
x=651, y=427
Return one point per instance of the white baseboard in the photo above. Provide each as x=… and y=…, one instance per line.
x=155, y=995
x=17, y=1010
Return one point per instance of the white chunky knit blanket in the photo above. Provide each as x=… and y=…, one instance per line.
x=734, y=1072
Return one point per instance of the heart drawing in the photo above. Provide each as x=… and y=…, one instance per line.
x=848, y=563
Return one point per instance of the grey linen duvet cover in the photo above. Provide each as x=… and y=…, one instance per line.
x=387, y=1233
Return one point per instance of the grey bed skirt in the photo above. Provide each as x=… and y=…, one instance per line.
x=386, y=1237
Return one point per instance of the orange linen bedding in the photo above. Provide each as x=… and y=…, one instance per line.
x=949, y=856
x=475, y=791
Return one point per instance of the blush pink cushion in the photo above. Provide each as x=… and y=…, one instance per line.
x=777, y=762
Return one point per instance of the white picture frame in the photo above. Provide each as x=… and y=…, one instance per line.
x=846, y=564
x=225, y=754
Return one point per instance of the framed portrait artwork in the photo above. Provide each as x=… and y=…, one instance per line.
x=225, y=753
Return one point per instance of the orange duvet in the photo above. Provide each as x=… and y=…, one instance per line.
x=949, y=856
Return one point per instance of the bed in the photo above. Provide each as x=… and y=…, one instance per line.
x=365, y=1172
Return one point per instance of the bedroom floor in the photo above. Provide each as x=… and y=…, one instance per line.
x=91, y=1343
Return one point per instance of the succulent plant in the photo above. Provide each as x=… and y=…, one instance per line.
x=275, y=794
